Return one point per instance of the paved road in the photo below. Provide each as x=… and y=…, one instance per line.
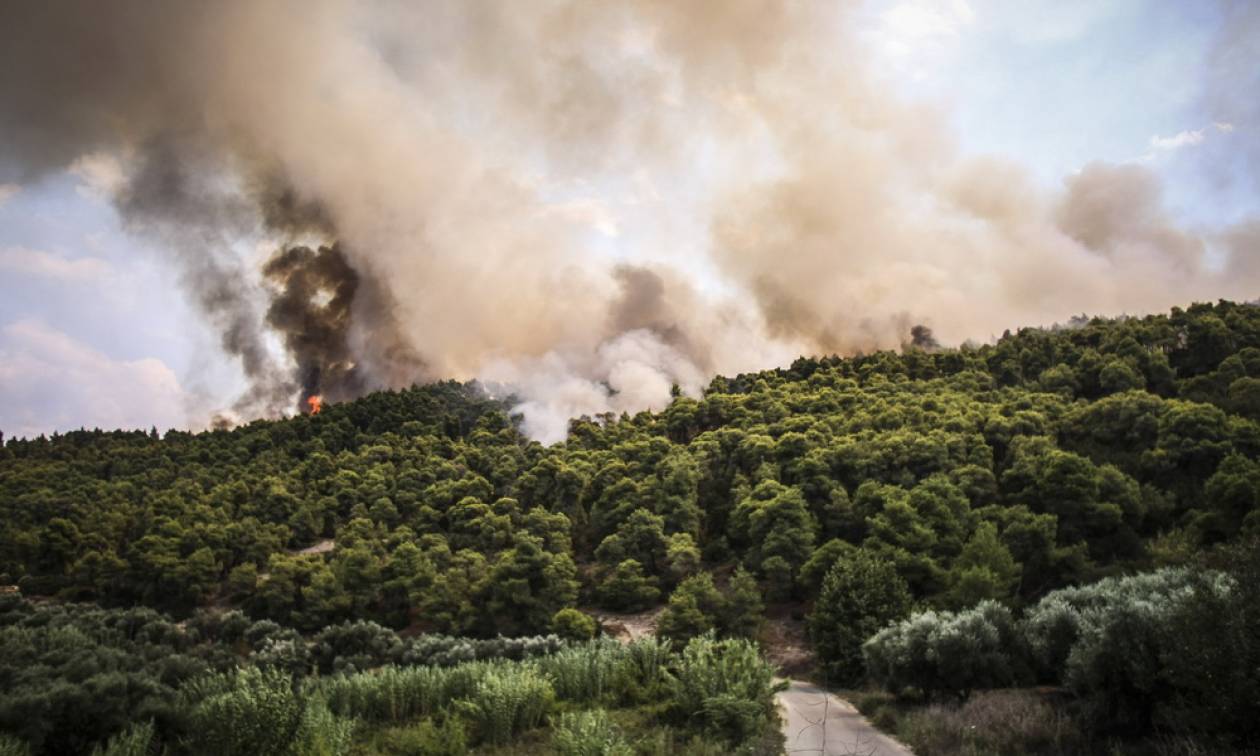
x=845, y=732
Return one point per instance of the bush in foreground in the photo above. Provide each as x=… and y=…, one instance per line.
x=860, y=594
x=588, y=733
x=1173, y=652
x=1122, y=644
x=507, y=701
x=947, y=652
x=725, y=689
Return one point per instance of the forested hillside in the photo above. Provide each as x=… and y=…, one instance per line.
x=1051, y=458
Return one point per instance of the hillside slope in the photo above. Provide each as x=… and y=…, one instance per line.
x=1082, y=449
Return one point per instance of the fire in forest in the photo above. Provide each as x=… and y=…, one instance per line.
x=314, y=402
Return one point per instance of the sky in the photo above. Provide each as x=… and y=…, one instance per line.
x=1058, y=84
x=98, y=329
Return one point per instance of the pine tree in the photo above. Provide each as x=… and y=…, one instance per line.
x=859, y=596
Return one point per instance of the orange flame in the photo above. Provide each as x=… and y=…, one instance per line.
x=315, y=401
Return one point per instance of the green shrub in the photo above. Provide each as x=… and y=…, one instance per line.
x=136, y=740
x=394, y=694
x=742, y=606
x=1118, y=642
x=74, y=675
x=1116, y=666
x=860, y=594
x=321, y=732
x=1055, y=624
x=628, y=588
x=583, y=672
x=572, y=624
x=354, y=646
x=256, y=634
x=1175, y=649
x=429, y=738
x=724, y=689
x=948, y=652
x=692, y=610
x=647, y=660
x=508, y=700
x=697, y=606
x=11, y=746
x=447, y=651
x=1214, y=671
x=1049, y=630
x=251, y=712
x=220, y=626
x=588, y=733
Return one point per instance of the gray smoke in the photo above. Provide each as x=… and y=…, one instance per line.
x=591, y=201
x=922, y=338
x=167, y=198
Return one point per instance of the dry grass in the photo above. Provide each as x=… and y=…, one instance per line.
x=993, y=722
x=1000, y=722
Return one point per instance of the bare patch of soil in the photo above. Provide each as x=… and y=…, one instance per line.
x=322, y=547
x=787, y=645
x=627, y=627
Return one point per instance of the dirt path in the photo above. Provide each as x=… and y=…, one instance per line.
x=628, y=627
x=818, y=723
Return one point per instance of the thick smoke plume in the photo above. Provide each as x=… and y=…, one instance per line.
x=317, y=296
x=312, y=310
x=590, y=201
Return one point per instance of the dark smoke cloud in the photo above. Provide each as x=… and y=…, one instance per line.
x=285, y=212
x=922, y=338
x=317, y=298
x=177, y=196
x=79, y=77
x=311, y=310
x=147, y=82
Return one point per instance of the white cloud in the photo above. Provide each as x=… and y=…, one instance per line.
x=50, y=381
x=7, y=192
x=36, y=262
x=1189, y=137
x=1177, y=141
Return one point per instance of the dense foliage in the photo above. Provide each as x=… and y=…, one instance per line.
x=131, y=681
x=995, y=471
x=1176, y=649
x=70, y=675
x=999, y=473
